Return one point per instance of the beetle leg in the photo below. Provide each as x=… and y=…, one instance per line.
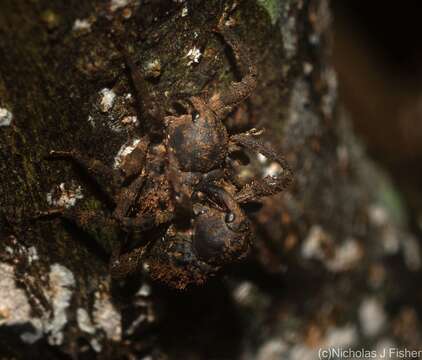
x=269, y=185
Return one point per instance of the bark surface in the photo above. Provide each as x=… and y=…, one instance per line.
x=333, y=263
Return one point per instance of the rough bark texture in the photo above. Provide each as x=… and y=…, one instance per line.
x=332, y=264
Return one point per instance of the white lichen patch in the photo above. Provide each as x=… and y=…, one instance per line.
x=336, y=337
x=315, y=243
x=96, y=345
x=390, y=240
x=144, y=290
x=193, y=55
x=32, y=254
x=341, y=336
x=84, y=321
x=307, y=68
x=289, y=34
x=300, y=113
x=346, y=256
x=378, y=215
x=110, y=109
x=91, y=121
x=130, y=120
x=273, y=169
x=107, y=98
x=153, y=68
x=81, y=25
x=261, y=158
x=9, y=250
x=125, y=150
x=14, y=306
x=142, y=318
x=273, y=349
x=243, y=291
x=107, y=317
x=6, y=117
x=337, y=258
x=411, y=253
x=118, y=4
x=64, y=196
x=383, y=347
x=185, y=11
x=329, y=100
x=371, y=316
x=343, y=155
x=62, y=283
x=38, y=332
x=18, y=250
x=393, y=239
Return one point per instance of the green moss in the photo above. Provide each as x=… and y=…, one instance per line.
x=272, y=7
x=391, y=200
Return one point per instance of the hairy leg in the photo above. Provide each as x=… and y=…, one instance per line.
x=133, y=163
x=148, y=108
x=269, y=185
x=107, y=179
x=122, y=265
x=181, y=193
x=78, y=217
x=127, y=197
x=223, y=102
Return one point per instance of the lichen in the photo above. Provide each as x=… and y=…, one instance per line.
x=107, y=97
x=81, y=25
x=118, y=4
x=62, y=283
x=272, y=7
x=107, y=317
x=6, y=117
x=372, y=316
x=125, y=150
x=14, y=306
x=84, y=321
x=60, y=291
x=194, y=54
x=288, y=31
x=64, y=195
x=302, y=122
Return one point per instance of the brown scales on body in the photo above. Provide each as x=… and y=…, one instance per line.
x=186, y=184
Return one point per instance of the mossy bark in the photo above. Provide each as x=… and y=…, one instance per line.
x=333, y=245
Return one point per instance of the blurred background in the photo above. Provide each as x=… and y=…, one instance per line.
x=377, y=53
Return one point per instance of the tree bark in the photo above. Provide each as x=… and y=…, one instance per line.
x=333, y=263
